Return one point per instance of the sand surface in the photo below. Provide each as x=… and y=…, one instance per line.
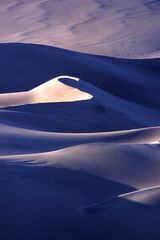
x=79, y=145
x=119, y=28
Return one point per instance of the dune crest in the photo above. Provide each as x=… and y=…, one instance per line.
x=56, y=91
x=51, y=91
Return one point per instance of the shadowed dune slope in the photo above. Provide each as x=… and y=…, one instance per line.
x=25, y=66
x=79, y=145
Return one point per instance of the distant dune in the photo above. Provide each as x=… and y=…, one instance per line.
x=119, y=28
x=79, y=144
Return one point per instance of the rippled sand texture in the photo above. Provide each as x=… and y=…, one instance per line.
x=121, y=28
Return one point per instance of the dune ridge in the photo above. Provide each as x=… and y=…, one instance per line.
x=51, y=91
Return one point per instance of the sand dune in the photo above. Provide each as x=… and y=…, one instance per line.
x=79, y=145
x=107, y=27
x=19, y=140
x=126, y=79
x=51, y=91
x=136, y=165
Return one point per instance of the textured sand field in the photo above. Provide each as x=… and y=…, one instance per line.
x=119, y=28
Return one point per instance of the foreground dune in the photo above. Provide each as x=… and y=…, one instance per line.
x=51, y=91
x=79, y=145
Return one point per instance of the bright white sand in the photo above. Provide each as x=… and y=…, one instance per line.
x=51, y=91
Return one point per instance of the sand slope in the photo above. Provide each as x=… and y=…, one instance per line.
x=79, y=145
x=51, y=91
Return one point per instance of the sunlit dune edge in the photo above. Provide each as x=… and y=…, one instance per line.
x=51, y=91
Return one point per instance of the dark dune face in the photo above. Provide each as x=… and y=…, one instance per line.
x=121, y=28
x=31, y=65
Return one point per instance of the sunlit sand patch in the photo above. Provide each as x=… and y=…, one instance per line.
x=51, y=91
x=147, y=196
x=156, y=142
x=56, y=91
